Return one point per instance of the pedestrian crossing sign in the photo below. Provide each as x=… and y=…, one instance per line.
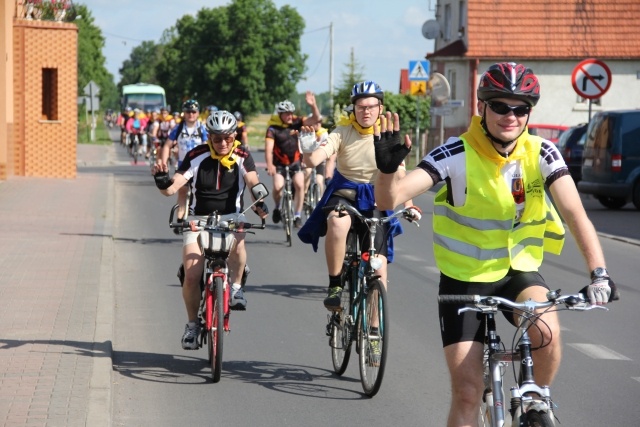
x=419, y=70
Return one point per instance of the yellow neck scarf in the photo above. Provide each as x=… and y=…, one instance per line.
x=321, y=131
x=228, y=160
x=351, y=120
x=478, y=140
x=275, y=120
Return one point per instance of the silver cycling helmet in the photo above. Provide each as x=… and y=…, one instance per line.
x=221, y=123
x=366, y=89
x=285, y=106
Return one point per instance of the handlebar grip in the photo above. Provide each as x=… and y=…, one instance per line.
x=458, y=299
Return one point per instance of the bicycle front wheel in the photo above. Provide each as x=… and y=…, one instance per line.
x=341, y=327
x=288, y=218
x=216, y=333
x=533, y=418
x=373, y=339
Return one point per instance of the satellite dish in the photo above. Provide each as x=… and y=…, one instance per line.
x=440, y=88
x=431, y=29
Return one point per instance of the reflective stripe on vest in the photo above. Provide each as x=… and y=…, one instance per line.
x=478, y=241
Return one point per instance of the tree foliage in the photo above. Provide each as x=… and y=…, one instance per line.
x=91, y=62
x=244, y=56
x=141, y=65
x=354, y=73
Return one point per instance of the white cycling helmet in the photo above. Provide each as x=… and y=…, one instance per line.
x=222, y=123
x=285, y=106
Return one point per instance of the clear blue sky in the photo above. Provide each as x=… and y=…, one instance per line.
x=384, y=35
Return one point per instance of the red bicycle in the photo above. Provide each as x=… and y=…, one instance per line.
x=216, y=239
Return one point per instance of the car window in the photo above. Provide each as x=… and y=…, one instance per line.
x=582, y=139
x=630, y=134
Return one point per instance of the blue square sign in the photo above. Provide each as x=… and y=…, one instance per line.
x=419, y=70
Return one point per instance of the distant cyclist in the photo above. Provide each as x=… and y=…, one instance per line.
x=243, y=134
x=218, y=173
x=282, y=149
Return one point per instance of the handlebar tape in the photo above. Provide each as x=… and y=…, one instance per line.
x=457, y=299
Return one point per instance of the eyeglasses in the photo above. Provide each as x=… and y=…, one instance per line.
x=191, y=112
x=217, y=139
x=365, y=108
x=503, y=109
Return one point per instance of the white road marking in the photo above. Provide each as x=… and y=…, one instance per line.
x=598, y=352
x=636, y=378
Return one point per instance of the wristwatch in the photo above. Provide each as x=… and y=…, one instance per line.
x=599, y=273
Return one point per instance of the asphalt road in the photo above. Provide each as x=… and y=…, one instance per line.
x=277, y=369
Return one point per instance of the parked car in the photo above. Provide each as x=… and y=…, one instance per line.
x=611, y=158
x=571, y=145
x=550, y=132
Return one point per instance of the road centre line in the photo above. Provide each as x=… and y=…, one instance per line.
x=598, y=351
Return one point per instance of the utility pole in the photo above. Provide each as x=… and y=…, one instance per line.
x=331, y=66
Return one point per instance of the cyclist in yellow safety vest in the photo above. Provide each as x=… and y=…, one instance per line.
x=492, y=222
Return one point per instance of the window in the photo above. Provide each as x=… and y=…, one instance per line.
x=462, y=17
x=49, y=94
x=447, y=22
x=451, y=78
x=581, y=100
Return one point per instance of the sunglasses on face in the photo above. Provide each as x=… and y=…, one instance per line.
x=217, y=139
x=503, y=109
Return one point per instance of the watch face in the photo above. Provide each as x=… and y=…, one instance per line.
x=599, y=272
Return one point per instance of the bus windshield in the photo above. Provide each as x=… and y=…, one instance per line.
x=143, y=96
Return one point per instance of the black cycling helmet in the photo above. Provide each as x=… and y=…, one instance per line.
x=509, y=80
x=285, y=106
x=366, y=89
x=221, y=123
x=190, y=105
x=238, y=115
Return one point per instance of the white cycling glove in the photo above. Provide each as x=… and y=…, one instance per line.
x=415, y=212
x=308, y=142
x=599, y=292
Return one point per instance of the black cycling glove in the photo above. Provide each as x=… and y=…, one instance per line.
x=162, y=180
x=261, y=205
x=390, y=151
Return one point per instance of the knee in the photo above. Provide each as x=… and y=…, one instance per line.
x=467, y=392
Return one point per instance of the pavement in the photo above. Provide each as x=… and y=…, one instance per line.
x=56, y=296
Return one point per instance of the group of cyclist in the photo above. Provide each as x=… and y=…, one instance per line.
x=492, y=218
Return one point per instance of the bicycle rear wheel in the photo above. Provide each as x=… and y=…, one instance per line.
x=216, y=332
x=373, y=343
x=341, y=327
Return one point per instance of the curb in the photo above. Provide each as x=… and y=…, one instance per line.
x=99, y=410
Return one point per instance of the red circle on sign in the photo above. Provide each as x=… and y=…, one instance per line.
x=592, y=80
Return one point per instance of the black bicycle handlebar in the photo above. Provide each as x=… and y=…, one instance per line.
x=223, y=226
x=341, y=208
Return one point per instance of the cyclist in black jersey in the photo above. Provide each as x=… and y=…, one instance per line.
x=282, y=149
x=218, y=172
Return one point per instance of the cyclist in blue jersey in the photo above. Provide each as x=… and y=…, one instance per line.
x=186, y=135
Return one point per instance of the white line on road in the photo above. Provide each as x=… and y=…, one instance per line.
x=598, y=352
x=636, y=378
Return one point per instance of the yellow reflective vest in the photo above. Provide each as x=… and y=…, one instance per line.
x=480, y=241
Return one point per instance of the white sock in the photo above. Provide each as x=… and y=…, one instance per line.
x=236, y=286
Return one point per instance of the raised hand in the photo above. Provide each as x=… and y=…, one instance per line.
x=390, y=151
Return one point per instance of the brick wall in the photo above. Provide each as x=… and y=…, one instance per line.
x=43, y=147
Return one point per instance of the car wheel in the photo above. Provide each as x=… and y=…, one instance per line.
x=612, y=202
x=635, y=197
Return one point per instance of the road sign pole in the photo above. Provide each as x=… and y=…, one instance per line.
x=417, y=128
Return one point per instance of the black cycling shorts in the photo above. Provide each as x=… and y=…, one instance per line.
x=294, y=168
x=362, y=229
x=471, y=325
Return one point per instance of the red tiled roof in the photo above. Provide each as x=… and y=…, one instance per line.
x=554, y=29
